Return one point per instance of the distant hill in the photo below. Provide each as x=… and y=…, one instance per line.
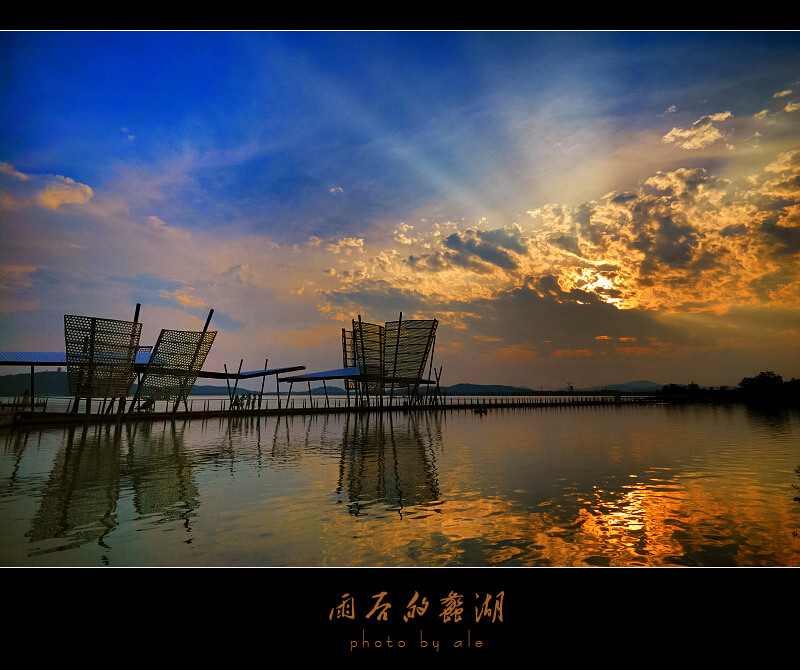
x=641, y=386
x=45, y=383
x=486, y=389
x=55, y=383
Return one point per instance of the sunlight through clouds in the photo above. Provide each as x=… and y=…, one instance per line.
x=550, y=235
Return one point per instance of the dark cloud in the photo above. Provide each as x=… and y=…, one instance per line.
x=430, y=262
x=567, y=243
x=504, y=239
x=583, y=219
x=378, y=297
x=733, y=230
x=787, y=239
x=467, y=246
x=670, y=244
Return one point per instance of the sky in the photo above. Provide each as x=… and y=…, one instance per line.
x=581, y=208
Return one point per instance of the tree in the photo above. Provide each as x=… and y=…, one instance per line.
x=764, y=384
x=763, y=379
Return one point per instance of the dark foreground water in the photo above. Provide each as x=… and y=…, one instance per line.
x=608, y=486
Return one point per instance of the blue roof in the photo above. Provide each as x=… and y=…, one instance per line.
x=56, y=358
x=341, y=373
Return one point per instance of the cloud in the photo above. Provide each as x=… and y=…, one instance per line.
x=701, y=134
x=663, y=267
x=63, y=191
x=683, y=241
x=400, y=234
x=470, y=246
x=7, y=168
x=46, y=191
x=346, y=245
x=781, y=94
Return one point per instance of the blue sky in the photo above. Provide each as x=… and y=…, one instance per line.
x=591, y=206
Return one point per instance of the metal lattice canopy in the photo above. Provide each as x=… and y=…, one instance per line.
x=348, y=356
x=100, y=355
x=368, y=344
x=178, y=357
x=407, y=346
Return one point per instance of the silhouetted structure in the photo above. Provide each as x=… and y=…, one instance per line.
x=100, y=355
x=177, y=359
x=381, y=359
x=408, y=345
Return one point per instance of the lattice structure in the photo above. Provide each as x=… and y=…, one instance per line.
x=348, y=356
x=406, y=350
x=100, y=355
x=368, y=344
x=177, y=358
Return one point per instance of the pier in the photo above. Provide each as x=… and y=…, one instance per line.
x=58, y=410
x=386, y=367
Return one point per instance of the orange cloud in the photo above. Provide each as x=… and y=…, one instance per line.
x=519, y=353
x=572, y=353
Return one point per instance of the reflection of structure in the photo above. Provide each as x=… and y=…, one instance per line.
x=160, y=468
x=384, y=360
x=388, y=463
x=100, y=354
x=79, y=501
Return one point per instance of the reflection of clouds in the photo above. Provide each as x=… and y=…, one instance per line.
x=689, y=520
x=650, y=486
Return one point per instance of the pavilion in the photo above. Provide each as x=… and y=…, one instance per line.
x=103, y=357
x=382, y=360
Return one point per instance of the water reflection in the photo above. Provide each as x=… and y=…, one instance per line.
x=160, y=470
x=79, y=499
x=387, y=462
x=561, y=486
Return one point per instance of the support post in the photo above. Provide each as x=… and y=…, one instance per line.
x=143, y=377
x=183, y=390
x=33, y=390
x=91, y=362
x=263, y=379
x=228, y=384
x=364, y=383
x=396, y=351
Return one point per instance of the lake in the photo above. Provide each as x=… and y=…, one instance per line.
x=639, y=485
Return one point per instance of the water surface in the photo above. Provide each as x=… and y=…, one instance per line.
x=659, y=485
